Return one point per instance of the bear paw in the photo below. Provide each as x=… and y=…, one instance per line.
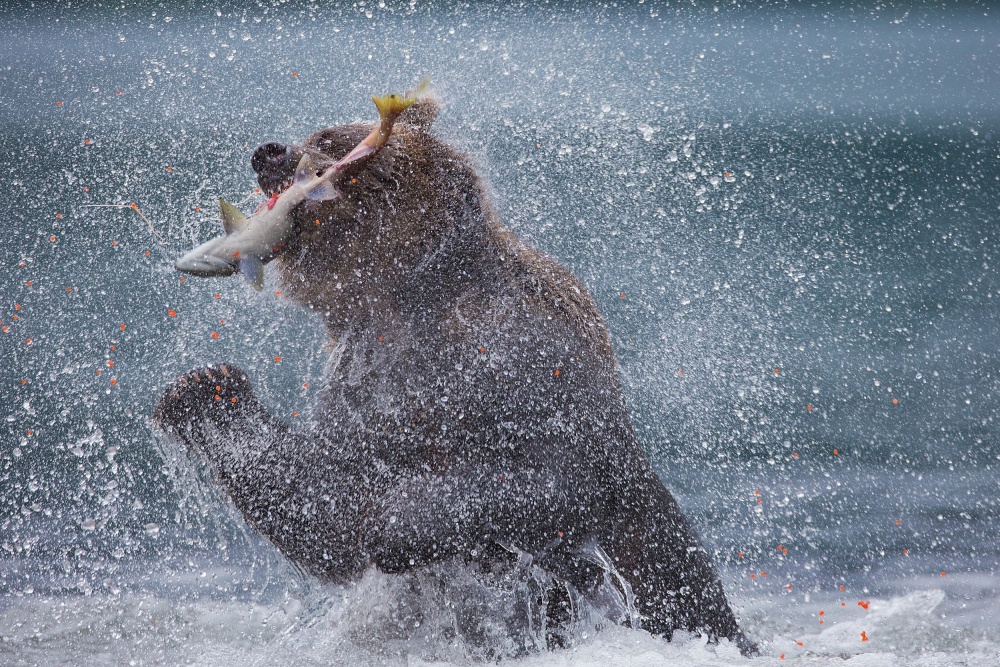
x=214, y=395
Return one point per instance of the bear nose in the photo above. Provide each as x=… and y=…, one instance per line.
x=269, y=155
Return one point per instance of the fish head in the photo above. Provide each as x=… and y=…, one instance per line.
x=205, y=260
x=246, y=245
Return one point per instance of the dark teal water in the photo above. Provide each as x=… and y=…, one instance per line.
x=795, y=206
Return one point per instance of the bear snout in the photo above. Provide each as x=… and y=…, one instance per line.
x=275, y=165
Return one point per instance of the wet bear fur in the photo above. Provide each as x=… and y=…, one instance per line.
x=471, y=404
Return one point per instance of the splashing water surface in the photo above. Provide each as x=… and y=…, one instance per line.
x=787, y=216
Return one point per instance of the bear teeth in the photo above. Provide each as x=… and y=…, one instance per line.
x=281, y=187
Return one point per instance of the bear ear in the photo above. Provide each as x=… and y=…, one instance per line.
x=421, y=114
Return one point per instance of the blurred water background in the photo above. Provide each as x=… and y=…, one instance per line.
x=787, y=213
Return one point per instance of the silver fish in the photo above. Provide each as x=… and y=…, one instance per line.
x=249, y=243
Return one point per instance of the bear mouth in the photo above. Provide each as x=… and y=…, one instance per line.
x=275, y=189
x=275, y=165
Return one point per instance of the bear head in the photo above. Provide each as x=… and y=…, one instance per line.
x=405, y=231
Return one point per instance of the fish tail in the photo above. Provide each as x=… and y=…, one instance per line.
x=391, y=105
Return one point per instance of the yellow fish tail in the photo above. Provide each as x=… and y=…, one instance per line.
x=391, y=105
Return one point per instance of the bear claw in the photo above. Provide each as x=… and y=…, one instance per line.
x=198, y=396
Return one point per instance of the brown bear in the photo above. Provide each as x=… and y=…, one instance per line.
x=471, y=399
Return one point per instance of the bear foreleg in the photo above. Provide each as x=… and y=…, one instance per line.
x=283, y=482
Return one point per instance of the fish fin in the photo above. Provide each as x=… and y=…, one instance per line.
x=232, y=219
x=419, y=91
x=324, y=191
x=253, y=269
x=305, y=170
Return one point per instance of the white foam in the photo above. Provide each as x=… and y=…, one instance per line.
x=347, y=626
